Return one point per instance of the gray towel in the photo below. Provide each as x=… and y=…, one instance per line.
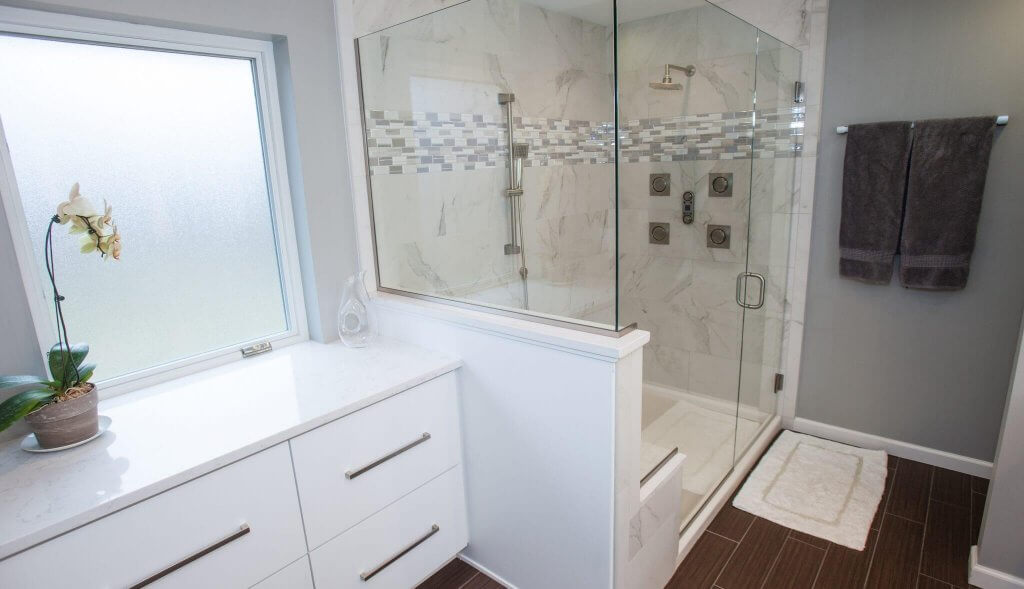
x=944, y=188
x=874, y=179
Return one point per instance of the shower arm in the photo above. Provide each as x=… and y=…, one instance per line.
x=689, y=70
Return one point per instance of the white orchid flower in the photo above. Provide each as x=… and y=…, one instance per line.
x=74, y=207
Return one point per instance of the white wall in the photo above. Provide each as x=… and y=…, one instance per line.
x=999, y=545
x=541, y=431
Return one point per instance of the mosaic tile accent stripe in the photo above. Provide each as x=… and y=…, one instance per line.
x=418, y=143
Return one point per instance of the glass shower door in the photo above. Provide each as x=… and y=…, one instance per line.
x=778, y=131
x=685, y=81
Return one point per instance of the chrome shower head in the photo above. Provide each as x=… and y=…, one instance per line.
x=666, y=85
x=666, y=80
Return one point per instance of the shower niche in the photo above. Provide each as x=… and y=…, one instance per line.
x=599, y=167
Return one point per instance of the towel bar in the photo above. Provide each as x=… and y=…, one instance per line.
x=1000, y=120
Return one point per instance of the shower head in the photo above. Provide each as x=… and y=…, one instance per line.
x=666, y=86
x=666, y=80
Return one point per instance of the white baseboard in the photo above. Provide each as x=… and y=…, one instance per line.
x=486, y=571
x=986, y=578
x=931, y=456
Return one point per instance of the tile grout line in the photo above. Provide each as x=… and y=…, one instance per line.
x=936, y=580
x=822, y=565
x=774, y=563
x=790, y=537
x=734, y=549
x=924, y=529
x=721, y=536
x=475, y=575
x=881, y=524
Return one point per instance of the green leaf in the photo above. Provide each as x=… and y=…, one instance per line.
x=13, y=382
x=56, y=361
x=21, y=405
x=85, y=371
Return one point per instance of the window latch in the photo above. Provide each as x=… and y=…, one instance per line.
x=256, y=349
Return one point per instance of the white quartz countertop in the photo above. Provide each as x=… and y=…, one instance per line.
x=165, y=435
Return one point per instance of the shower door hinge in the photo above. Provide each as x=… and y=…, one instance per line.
x=256, y=349
x=798, y=92
x=778, y=382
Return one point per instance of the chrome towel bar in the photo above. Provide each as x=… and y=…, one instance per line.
x=1001, y=120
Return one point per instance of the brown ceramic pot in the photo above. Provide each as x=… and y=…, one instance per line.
x=61, y=424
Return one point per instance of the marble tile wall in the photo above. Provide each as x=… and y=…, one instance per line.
x=437, y=156
x=684, y=292
x=800, y=23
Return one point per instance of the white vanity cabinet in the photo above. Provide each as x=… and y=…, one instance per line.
x=376, y=496
x=255, y=496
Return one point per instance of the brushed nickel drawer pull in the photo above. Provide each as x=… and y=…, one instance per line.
x=243, y=530
x=351, y=474
x=366, y=576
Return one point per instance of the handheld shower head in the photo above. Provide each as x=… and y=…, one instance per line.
x=666, y=80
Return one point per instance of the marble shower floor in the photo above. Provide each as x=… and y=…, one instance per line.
x=704, y=435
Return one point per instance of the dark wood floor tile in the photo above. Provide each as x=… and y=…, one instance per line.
x=731, y=523
x=482, y=581
x=889, y=478
x=453, y=575
x=979, y=485
x=892, y=461
x=947, y=537
x=796, y=567
x=910, y=490
x=950, y=486
x=845, y=568
x=703, y=564
x=809, y=539
x=749, y=564
x=977, y=511
x=925, y=582
x=897, y=552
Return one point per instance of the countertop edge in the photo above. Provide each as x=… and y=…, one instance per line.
x=45, y=534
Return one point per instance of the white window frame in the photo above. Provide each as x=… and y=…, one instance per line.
x=261, y=53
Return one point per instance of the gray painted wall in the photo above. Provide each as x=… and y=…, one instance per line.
x=927, y=368
x=309, y=78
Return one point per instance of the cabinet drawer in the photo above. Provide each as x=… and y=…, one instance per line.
x=140, y=541
x=402, y=544
x=294, y=576
x=351, y=468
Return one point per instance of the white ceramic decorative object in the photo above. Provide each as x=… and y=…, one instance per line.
x=357, y=321
x=29, y=444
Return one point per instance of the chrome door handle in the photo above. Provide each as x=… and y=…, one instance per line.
x=367, y=575
x=351, y=474
x=741, y=294
x=243, y=530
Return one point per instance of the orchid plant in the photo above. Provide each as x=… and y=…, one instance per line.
x=69, y=373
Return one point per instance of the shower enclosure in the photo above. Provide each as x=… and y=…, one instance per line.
x=600, y=165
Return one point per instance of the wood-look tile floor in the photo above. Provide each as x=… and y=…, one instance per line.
x=920, y=539
x=459, y=575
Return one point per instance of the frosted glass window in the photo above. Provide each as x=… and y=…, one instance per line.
x=174, y=142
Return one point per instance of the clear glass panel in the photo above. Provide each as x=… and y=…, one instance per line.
x=439, y=159
x=693, y=128
x=173, y=142
x=778, y=137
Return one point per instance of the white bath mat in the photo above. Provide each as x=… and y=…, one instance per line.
x=823, y=488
